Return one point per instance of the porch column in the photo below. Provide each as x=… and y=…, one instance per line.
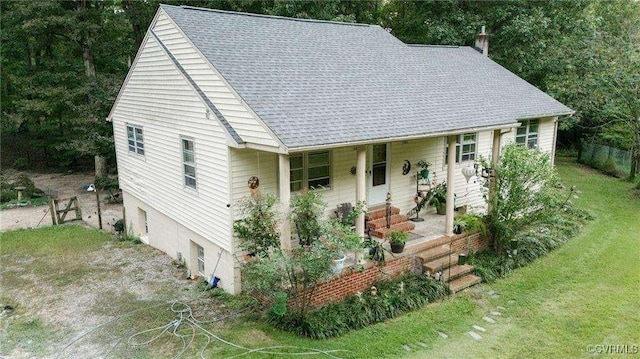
x=451, y=166
x=284, y=189
x=361, y=185
x=495, y=156
x=555, y=140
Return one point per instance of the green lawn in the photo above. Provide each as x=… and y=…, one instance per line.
x=585, y=293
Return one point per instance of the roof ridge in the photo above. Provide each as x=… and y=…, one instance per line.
x=188, y=7
x=443, y=46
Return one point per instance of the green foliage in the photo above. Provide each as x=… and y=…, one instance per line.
x=21, y=163
x=526, y=192
x=471, y=222
x=107, y=183
x=531, y=243
x=397, y=237
x=395, y=297
x=439, y=193
x=10, y=179
x=258, y=229
x=298, y=271
x=306, y=211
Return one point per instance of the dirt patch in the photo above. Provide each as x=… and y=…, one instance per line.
x=63, y=186
x=86, y=313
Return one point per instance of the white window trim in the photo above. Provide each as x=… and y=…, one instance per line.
x=459, y=146
x=185, y=163
x=528, y=135
x=138, y=146
x=305, y=170
x=200, y=260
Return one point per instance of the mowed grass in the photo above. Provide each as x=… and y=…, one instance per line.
x=585, y=293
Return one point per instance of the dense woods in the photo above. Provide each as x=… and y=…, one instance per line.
x=64, y=61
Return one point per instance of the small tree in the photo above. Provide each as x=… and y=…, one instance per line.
x=306, y=211
x=299, y=271
x=526, y=191
x=258, y=229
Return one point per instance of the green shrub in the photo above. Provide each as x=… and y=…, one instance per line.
x=10, y=179
x=403, y=294
x=21, y=163
x=533, y=242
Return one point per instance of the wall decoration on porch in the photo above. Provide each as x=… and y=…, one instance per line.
x=253, y=182
x=406, y=167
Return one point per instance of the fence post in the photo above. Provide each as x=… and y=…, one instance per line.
x=52, y=209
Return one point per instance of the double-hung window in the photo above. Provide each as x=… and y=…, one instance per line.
x=527, y=134
x=135, y=139
x=310, y=170
x=200, y=251
x=466, y=145
x=188, y=162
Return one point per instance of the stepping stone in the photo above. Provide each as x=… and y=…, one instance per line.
x=495, y=296
x=491, y=292
x=511, y=301
x=406, y=347
x=474, y=335
x=496, y=313
x=424, y=345
x=479, y=328
x=489, y=320
x=443, y=335
x=502, y=309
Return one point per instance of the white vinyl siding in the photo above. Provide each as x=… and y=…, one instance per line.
x=188, y=162
x=162, y=102
x=527, y=133
x=135, y=139
x=310, y=170
x=248, y=127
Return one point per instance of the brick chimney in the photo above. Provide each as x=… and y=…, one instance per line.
x=482, y=42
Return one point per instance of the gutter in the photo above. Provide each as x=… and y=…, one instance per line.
x=403, y=138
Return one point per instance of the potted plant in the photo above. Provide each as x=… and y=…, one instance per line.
x=459, y=225
x=439, y=197
x=397, y=239
x=424, y=169
x=376, y=250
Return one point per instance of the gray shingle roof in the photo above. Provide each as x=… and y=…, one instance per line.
x=316, y=83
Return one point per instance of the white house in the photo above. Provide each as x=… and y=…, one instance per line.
x=214, y=98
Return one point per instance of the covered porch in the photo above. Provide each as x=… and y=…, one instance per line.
x=354, y=172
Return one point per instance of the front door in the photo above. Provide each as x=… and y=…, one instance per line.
x=379, y=173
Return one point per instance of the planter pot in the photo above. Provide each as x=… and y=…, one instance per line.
x=424, y=174
x=338, y=265
x=462, y=258
x=397, y=247
x=457, y=229
x=441, y=208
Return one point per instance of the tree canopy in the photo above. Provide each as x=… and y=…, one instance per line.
x=64, y=61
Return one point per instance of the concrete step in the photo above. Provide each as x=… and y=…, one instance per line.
x=382, y=222
x=440, y=263
x=403, y=227
x=378, y=212
x=461, y=283
x=456, y=272
x=433, y=253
